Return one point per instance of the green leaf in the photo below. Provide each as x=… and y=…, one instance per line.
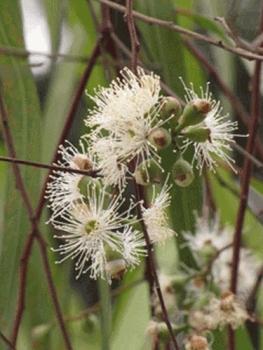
x=21, y=101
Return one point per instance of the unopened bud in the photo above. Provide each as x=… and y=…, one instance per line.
x=160, y=138
x=208, y=250
x=148, y=172
x=116, y=268
x=194, y=112
x=81, y=162
x=197, y=133
x=159, y=330
x=171, y=106
x=179, y=280
x=40, y=331
x=227, y=301
x=182, y=173
x=197, y=342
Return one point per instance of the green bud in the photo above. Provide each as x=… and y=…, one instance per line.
x=182, y=173
x=194, y=113
x=40, y=331
x=116, y=268
x=198, y=133
x=111, y=255
x=160, y=138
x=90, y=324
x=179, y=280
x=159, y=330
x=171, y=106
x=147, y=172
x=208, y=251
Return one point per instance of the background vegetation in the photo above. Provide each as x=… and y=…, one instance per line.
x=43, y=101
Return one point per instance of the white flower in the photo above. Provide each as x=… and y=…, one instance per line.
x=221, y=133
x=63, y=189
x=112, y=171
x=95, y=230
x=248, y=270
x=155, y=216
x=208, y=232
x=197, y=342
x=200, y=321
x=125, y=115
x=126, y=98
x=133, y=246
x=212, y=234
x=227, y=311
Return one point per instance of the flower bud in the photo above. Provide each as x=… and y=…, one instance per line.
x=148, y=172
x=159, y=330
x=81, y=162
x=40, y=331
x=179, y=280
x=194, y=112
x=182, y=173
x=171, y=106
x=227, y=301
x=197, y=342
x=208, y=251
x=160, y=138
x=197, y=133
x=116, y=268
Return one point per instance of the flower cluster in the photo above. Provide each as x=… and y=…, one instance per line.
x=212, y=243
x=128, y=127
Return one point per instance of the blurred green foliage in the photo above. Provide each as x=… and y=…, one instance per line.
x=36, y=127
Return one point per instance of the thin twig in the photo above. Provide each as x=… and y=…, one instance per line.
x=252, y=158
x=22, y=53
x=176, y=28
x=128, y=53
x=24, y=261
x=235, y=102
x=140, y=198
x=7, y=341
x=93, y=173
x=135, y=44
x=245, y=180
x=152, y=275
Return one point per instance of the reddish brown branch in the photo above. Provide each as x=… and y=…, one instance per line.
x=93, y=173
x=197, y=36
x=52, y=290
x=11, y=151
x=154, y=276
x=24, y=261
x=245, y=180
x=135, y=44
x=128, y=53
x=236, y=104
x=246, y=173
x=7, y=341
x=151, y=273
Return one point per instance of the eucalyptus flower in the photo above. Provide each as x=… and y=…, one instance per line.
x=155, y=215
x=97, y=232
x=213, y=136
x=126, y=124
x=63, y=188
